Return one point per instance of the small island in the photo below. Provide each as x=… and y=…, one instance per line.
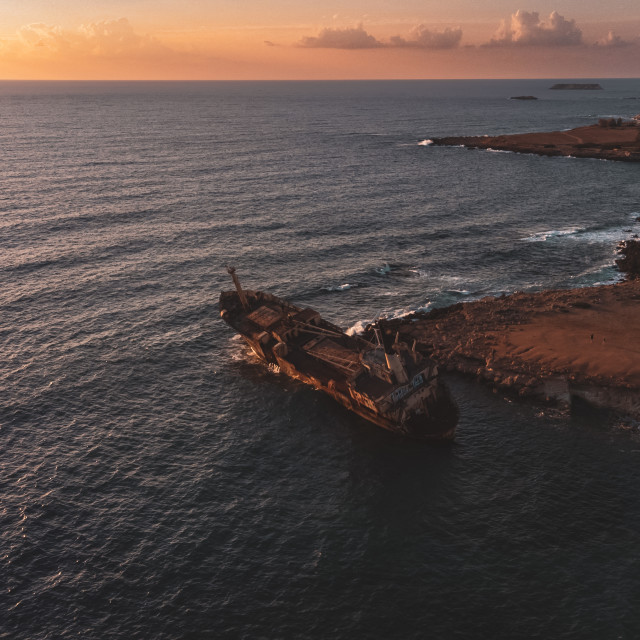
x=523, y=98
x=594, y=86
x=609, y=139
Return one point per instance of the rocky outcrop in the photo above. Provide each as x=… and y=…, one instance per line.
x=629, y=262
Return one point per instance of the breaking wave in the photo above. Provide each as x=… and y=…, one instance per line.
x=543, y=236
x=357, y=328
x=340, y=287
x=611, y=234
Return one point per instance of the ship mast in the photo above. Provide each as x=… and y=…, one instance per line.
x=241, y=294
x=394, y=362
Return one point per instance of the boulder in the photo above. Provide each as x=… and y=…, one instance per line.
x=629, y=262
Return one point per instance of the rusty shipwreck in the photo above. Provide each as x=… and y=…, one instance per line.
x=391, y=385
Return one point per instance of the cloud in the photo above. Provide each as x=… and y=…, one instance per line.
x=109, y=38
x=349, y=38
x=613, y=40
x=423, y=38
x=357, y=38
x=526, y=28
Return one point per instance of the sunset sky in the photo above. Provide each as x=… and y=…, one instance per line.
x=300, y=39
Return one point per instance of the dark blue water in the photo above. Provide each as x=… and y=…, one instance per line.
x=157, y=482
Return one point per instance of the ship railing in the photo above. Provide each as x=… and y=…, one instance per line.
x=320, y=331
x=337, y=361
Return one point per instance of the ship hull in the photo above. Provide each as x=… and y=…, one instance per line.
x=437, y=429
x=437, y=423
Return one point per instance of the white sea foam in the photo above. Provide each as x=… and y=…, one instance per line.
x=425, y=143
x=607, y=235
x=239, y=350
x=543, y=236
x=340, y=287
x=357, y=328
x=407, y=311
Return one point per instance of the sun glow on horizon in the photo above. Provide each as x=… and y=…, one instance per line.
x=170, y=44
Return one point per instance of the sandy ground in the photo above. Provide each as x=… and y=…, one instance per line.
x=601, y=342
x=590, y=335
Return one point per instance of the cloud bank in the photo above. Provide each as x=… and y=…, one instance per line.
x=613, y=40
x=526, y=28
x=349, y=38
x=423, y=38
x=109, y=38
x=357, y=38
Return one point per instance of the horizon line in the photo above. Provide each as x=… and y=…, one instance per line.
x=203, y=80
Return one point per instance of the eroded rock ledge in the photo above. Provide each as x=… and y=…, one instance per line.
x=548, y=346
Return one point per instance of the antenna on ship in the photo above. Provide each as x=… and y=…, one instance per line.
x=241, y=294
x=376, y=330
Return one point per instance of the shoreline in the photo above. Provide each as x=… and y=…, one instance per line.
x=556, y=346
x=608, y=140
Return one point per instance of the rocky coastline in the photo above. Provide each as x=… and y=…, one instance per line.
x=609, y=139
x=559, y=346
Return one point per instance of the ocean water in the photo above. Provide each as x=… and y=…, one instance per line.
x=158, y=482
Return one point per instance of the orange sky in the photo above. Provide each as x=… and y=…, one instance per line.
x=287, y=39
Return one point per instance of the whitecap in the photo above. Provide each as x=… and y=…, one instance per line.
x=340, y=287
x=543, y=236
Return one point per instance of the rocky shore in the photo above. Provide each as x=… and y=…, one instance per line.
x=610, y=139
x=559, y=346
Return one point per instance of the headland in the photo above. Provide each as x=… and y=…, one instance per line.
x=557, y=346
x=609, y=139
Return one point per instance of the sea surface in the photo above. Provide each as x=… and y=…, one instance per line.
x=157, y=482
